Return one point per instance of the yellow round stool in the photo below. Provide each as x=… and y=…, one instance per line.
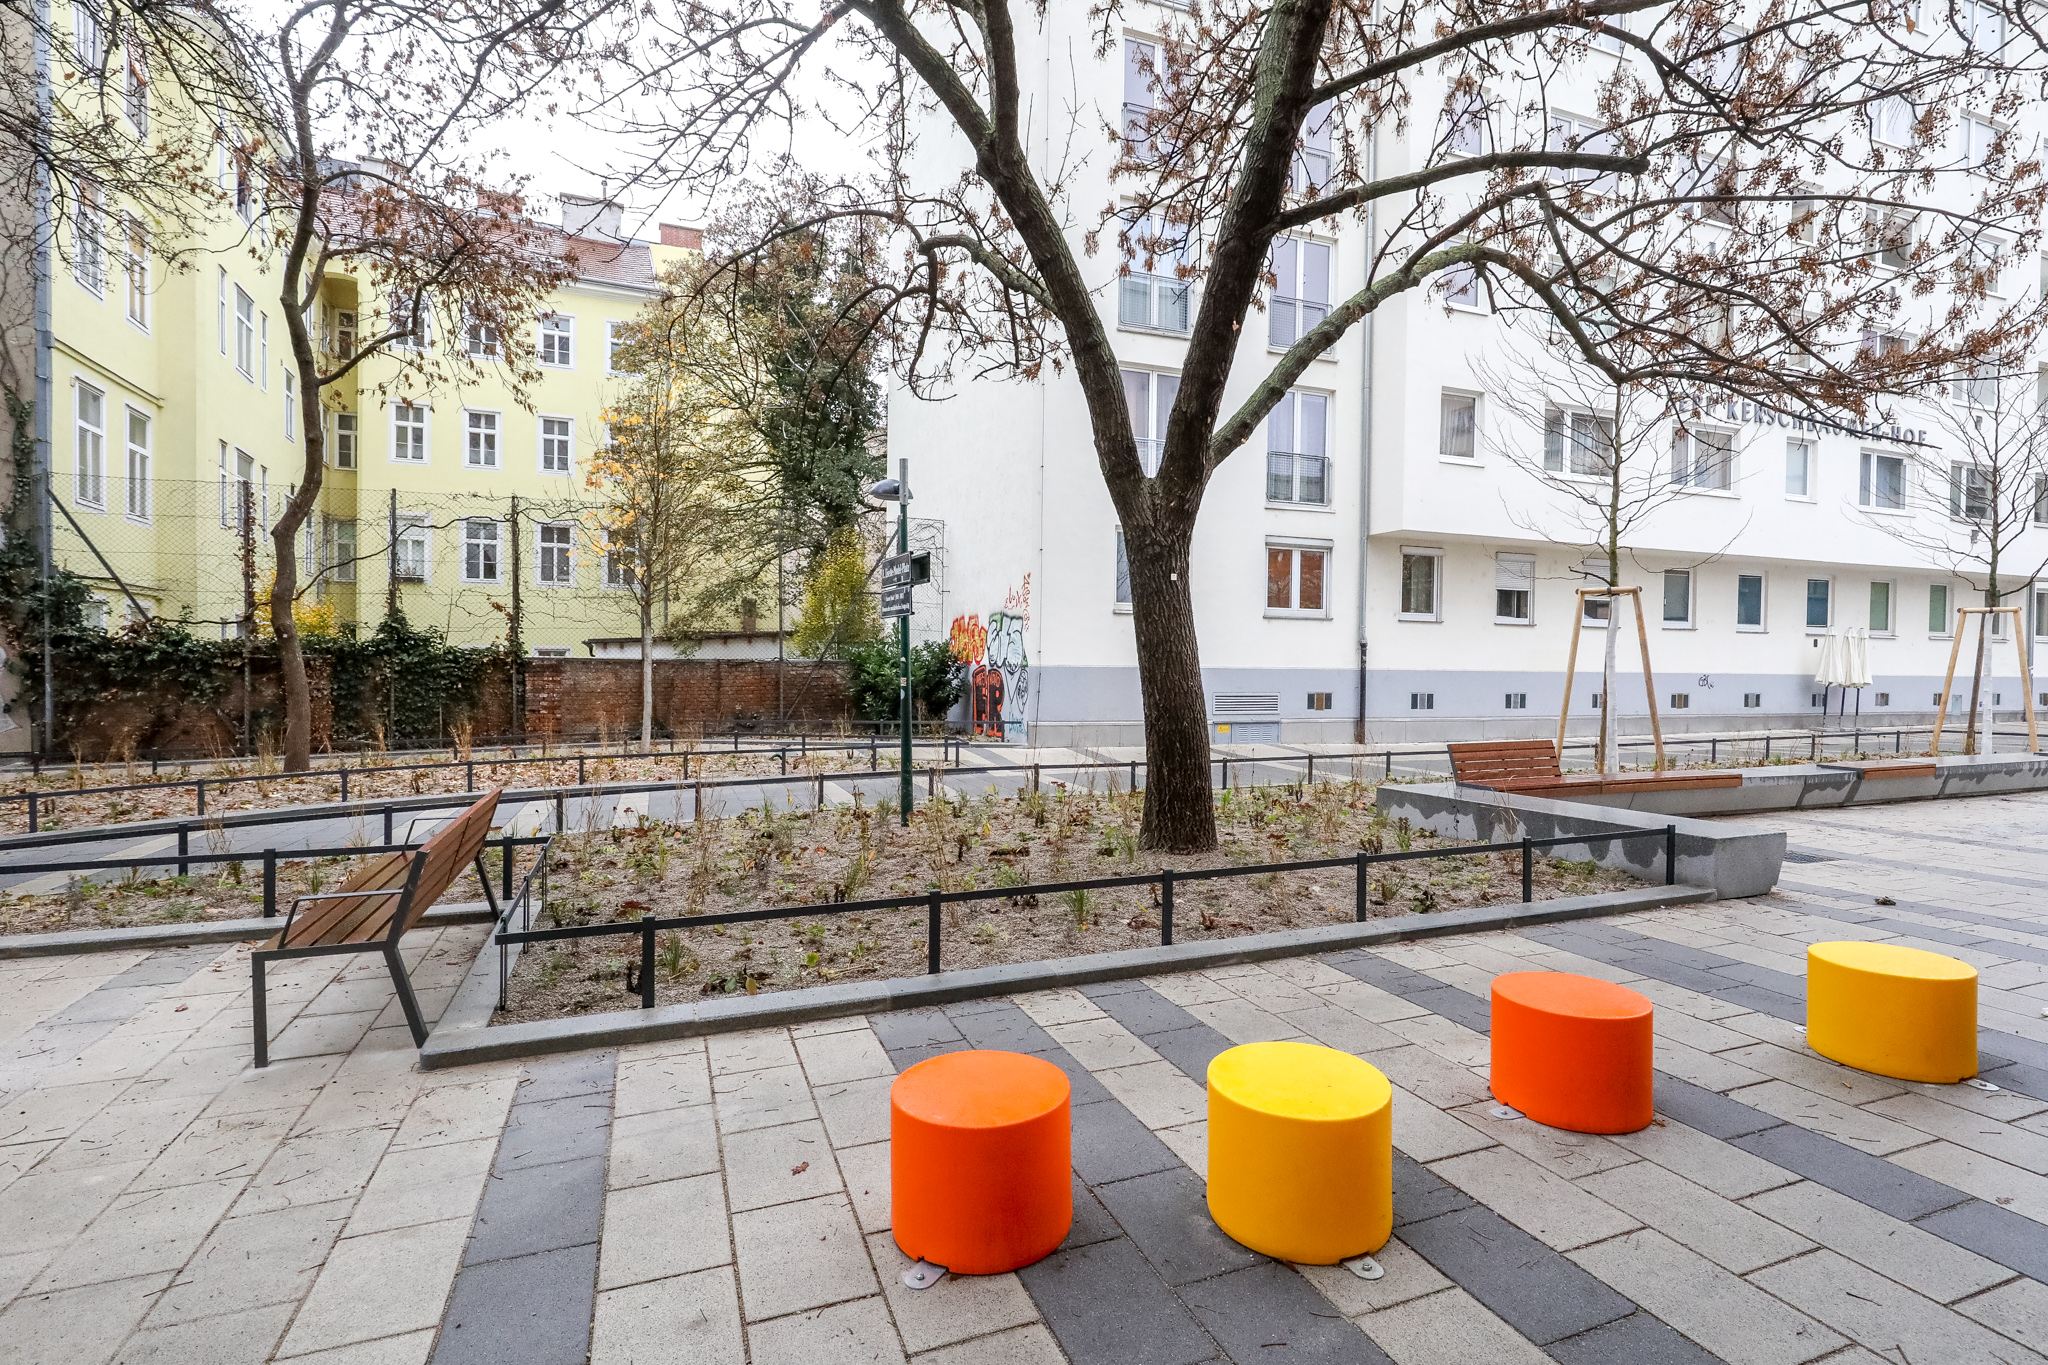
x=1896, y=1011
x=1301, y=1151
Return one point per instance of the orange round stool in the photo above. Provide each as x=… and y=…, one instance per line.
x=980, y=1161
x=1572, y=1052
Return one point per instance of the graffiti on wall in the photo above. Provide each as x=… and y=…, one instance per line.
x=999, y=665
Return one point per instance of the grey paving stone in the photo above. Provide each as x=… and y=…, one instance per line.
x=1266, y=1314
x=2028, y=1080
x=1085, y=1088
x=1191, y=1049
x=1420, y=1193
x=1996, y=1234
x=1523, y=1282
x=1868, y=1179
x=1638, y=1339
x=914, y=1028
x=1714, y=1114
x=1388, y=976
x=1092, y=1222
x=555, y=1078
x=1787, y=1007
x=1474, y=1012
x=1144, y=1011
x=1110, y=1144
x=537, y=1208
x=529, y=1308
x=548, y=1131
x=1007, y=1028
x=904, y=1058
x=1167, y=1215
x=1673, y=973
x=1106, y=1306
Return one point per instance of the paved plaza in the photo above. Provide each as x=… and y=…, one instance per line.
x=727, y=1200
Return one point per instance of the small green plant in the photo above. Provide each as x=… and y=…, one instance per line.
x=1080, y=905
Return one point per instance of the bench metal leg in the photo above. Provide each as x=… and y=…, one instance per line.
x=259, y=1009
x=406, y=1000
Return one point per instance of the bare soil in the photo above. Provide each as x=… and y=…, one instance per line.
x=853, y=853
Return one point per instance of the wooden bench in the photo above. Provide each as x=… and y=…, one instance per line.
x=1531, y=766
x=371, y=911
x=1888, y=767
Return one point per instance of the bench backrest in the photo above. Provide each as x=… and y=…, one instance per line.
x=420, y=876
x=1501, y=760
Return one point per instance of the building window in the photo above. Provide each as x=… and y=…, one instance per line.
x=138, y=273
x=1297, y=456
x=2041, y=612
x=88, y=36
x=138, y=465
x=1462, y=288
x=1798, y=469
x=1570, y=133
x=557, y=447
x=1678, y=597
x=412, y=323
x=1891, y=121
x=291, y=405
x=1458, y=427
x=245, y=333
x=620, y=561
x=1752, y=700
x=1703, y=459
x=88, y=240
x=1301, y=288
x=1820, y=606
x=1881, y=485
x=1578, y=443
x=1979, y=389
x=555, y=540
x=136, y=98
x=1123, y=572
x=1422, y=701
x=1144, y=71
x=91, y=446
x=1681, y=701
x=480, y=339
x=1153, y=294
x=1940, y=621
x=338, y=550
x=1319, y=701
x=409, y=433
x=220, y=308
x=1969, y=492
x=1421, y=584
x=1516, y=701
x=1884, y=699
x=1881, y=608
x=1311, y=168
x=263, y=350
x=557, y=340
x=1295, y=576
x=617, y=337
x=1465, y=123
x=1749, y=601
x=344, y=440
x=414, y=550
x=479, y=550
x=344, y=336
x=480, y=440
x=1514, y=582
x=1150, y=396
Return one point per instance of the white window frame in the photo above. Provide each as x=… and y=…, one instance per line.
x=1151, y=294
x=263, y=351
x=1969, y=492
x=544, y=554
x=1762, y=624
x=1891, y=608
x=88, y=37
x=89, y=241
x=615, y=338
x=1891, y=121
x=1285, y=424
x=1867, y=465
x=220, y=307
x=1465, y=127
x=1695, y=473
x=1149, y=425
x=1806, y=604
x=137, y=488
x=621, y=562
x=479, y=340
x=486, y=423
x=413, y=550
x=1293, y=310
x=89, y=446
x=291, y=404
x=1514, y=572
x=423, y=424
x=245, y=334
x=1309, y=170
x=1947, y=629
x=1120, y=584
x=1443, y=429
x=1572, y=428
x=136, y=272
x=542, y=441
x=1664, y=617
x=1807, y=447
x=1140, y=91
x=1435, y=555
x=2037, y=599
x=338, y=560
x=347, y=434
x=555, y=346
x=1297, y=548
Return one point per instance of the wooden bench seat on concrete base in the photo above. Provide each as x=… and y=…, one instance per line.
x=1531, y=766
x=1881, y=768
x=371, y=911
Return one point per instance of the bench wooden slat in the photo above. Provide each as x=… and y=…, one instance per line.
x=361, y=919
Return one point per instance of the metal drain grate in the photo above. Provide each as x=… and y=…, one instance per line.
x=1792, y=856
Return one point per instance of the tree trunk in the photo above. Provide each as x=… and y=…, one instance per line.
x=1180, y=807
x=284, y=587
x=1977, y=669
x=1605, y=762
x=647, y=672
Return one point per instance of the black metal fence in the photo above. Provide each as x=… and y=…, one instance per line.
x=1166, y=879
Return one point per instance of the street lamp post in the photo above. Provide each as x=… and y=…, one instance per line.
x=898, y=489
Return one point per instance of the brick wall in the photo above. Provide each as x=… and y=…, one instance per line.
x=574, y=697
x=122, y=725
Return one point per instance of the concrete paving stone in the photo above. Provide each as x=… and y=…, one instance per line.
x=45, y=1210
x=1092, y=1222
x=1791, y=1008
x=1711, y=1070
x=917, y=1028
x=1058, y=1006
x=1270, y=991
x=1563, y=1153
x=765, y=1166
x=1851, y=1126
x=798, y=1256
x=1881, y=1315
x=217, y=1147
x=83, y=1326
x=855, y=1333
x=818, y=1028
x=1166, y=1215
x=1190, y=1049
x=425, y=1185
x=693, y=1317
x=663, y=1145
x=854, y=1112
x=1031, y=1345
x=536, y=1307
x=1997, y=1234
x=1432, y=1077
x=957, y=1308
x=652, y=1232
x=2012, y=1145
x=19, y=1160
x=1638, y=1339
x=1986, y=1177
x=1449, y=1327
x=1083, y=1087
x=753, y=1050
x=1901, y=1251
x=2018, y=1310
x=1420, y=1193
x=1810, y=1071
x=1708, y=1162
x=1189, y=1142
x=1767, y=1028
x=129, y=1129
x=1144, y=1012
x=379, y=1285
x=1462, y=1007
x=315, y=1168
x=266, y=1258
x=1724, y=1232
x=1713, y=1114
x=141, y=1233
x=1194, y=988
x=320, y=1035
x=1334, y=1026
x=455, y=1113
x=1109, y=1144
x=1538, y=1292
x=1407, y=1276
x=1445, y=1037
x=1548, y=1207
x=1366, y=1001
x=537, y=1208
x=407, y=1348
x=1427, y=1133
x=996, y=1024
x=1158, y=1093
x=1722, y=1312
x=18, y=1268
x=865, y=1171
x=669, y=1081
x=242, y=1338
x=1101, y=1044
x=1267, y=1314
x=547, y=1131
x=54, y=1112
x=1106, y=1305
x=566, y=1076
x=290, y=1084
x=765, y=1099
x=850, y=1056
x=1243, y=1022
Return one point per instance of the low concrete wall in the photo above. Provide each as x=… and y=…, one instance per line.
x=1728, y=860
x=1809, y=786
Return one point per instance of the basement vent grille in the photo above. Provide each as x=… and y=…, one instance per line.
x=1795, y=856
x=1246, y=704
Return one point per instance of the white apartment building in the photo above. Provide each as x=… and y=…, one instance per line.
x=1382, y=562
